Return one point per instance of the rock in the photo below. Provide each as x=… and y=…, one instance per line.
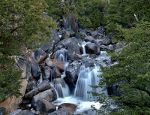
x=49, y=95
x=72, y=46
x=68, y=106
x=44, y=106
x=22, y=112
x=47, y=72
x=15, y=112
x=35, y=71
x=111, y=47
x=41, y=87
x=40, y=55
x=31, y=85
x=88, y=112
x=56, y=63
x=2, y=110
x=107, y=40
x=46, y=48
x=61, y=112
x=90, y=39
x=91, y=48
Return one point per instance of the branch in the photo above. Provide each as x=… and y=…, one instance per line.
x=142, y=89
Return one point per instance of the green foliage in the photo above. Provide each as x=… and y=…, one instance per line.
x=132, y=73
x=22, y=22
x=90, y=13
x=9, y=78
x=122, y=12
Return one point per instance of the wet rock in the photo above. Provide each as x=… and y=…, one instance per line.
x=72, y=46
x=40, y=55
x=72, y=71
x=22, y=112
x=49, y=95
x=69, y=79
x=68, y=106
x=46, y=48
x=90, y=39
x=88, y=112
x=91, y=48
x=44, y=106
x=55, y=63
x=41, y=87
x=15, y=112
x=47, y=73
x=108, y=47
x=31, y=85
x=2, y=110
x=35, y=71
x=61, y=112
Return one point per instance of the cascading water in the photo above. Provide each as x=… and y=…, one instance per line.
x=83, y=48
x=87, y=78
x=61, y=55
x=61, y=87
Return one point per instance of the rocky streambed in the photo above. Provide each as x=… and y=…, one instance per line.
x=60, y=75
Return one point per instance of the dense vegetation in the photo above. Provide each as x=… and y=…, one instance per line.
x=128, y=21
x=21, y=22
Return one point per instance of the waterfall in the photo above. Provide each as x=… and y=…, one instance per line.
x=61, y=87
x=61, y=55
x=83, y=48
x=86, y=78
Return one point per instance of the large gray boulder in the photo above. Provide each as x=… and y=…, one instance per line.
x=49, y=95
x=91, y=48
x=71, y=44
x=44, y=107
x=41, y=87
x=22, y=112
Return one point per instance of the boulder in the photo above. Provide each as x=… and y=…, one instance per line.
x=31, y=85
x=107, y=47
x=72, y=46
x=2, y=110
x=90, y=39
x=61, y=112
x=68, y=106
x=46, y=48
x=49, y=95
x=35, y=71
x=56, y=63
x=44, y=106
x=22, y=112
x=91, y=48
x=39, y=55
x=41, y=87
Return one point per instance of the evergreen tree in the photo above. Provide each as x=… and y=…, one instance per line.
x=21, y=23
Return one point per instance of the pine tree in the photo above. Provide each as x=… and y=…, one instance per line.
x=21, y=23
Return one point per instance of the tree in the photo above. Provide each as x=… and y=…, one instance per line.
x=132, y=73
x=21, y=23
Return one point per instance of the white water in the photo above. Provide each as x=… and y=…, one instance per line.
x=81, y=105
x=87, y=77
x=61, y=88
